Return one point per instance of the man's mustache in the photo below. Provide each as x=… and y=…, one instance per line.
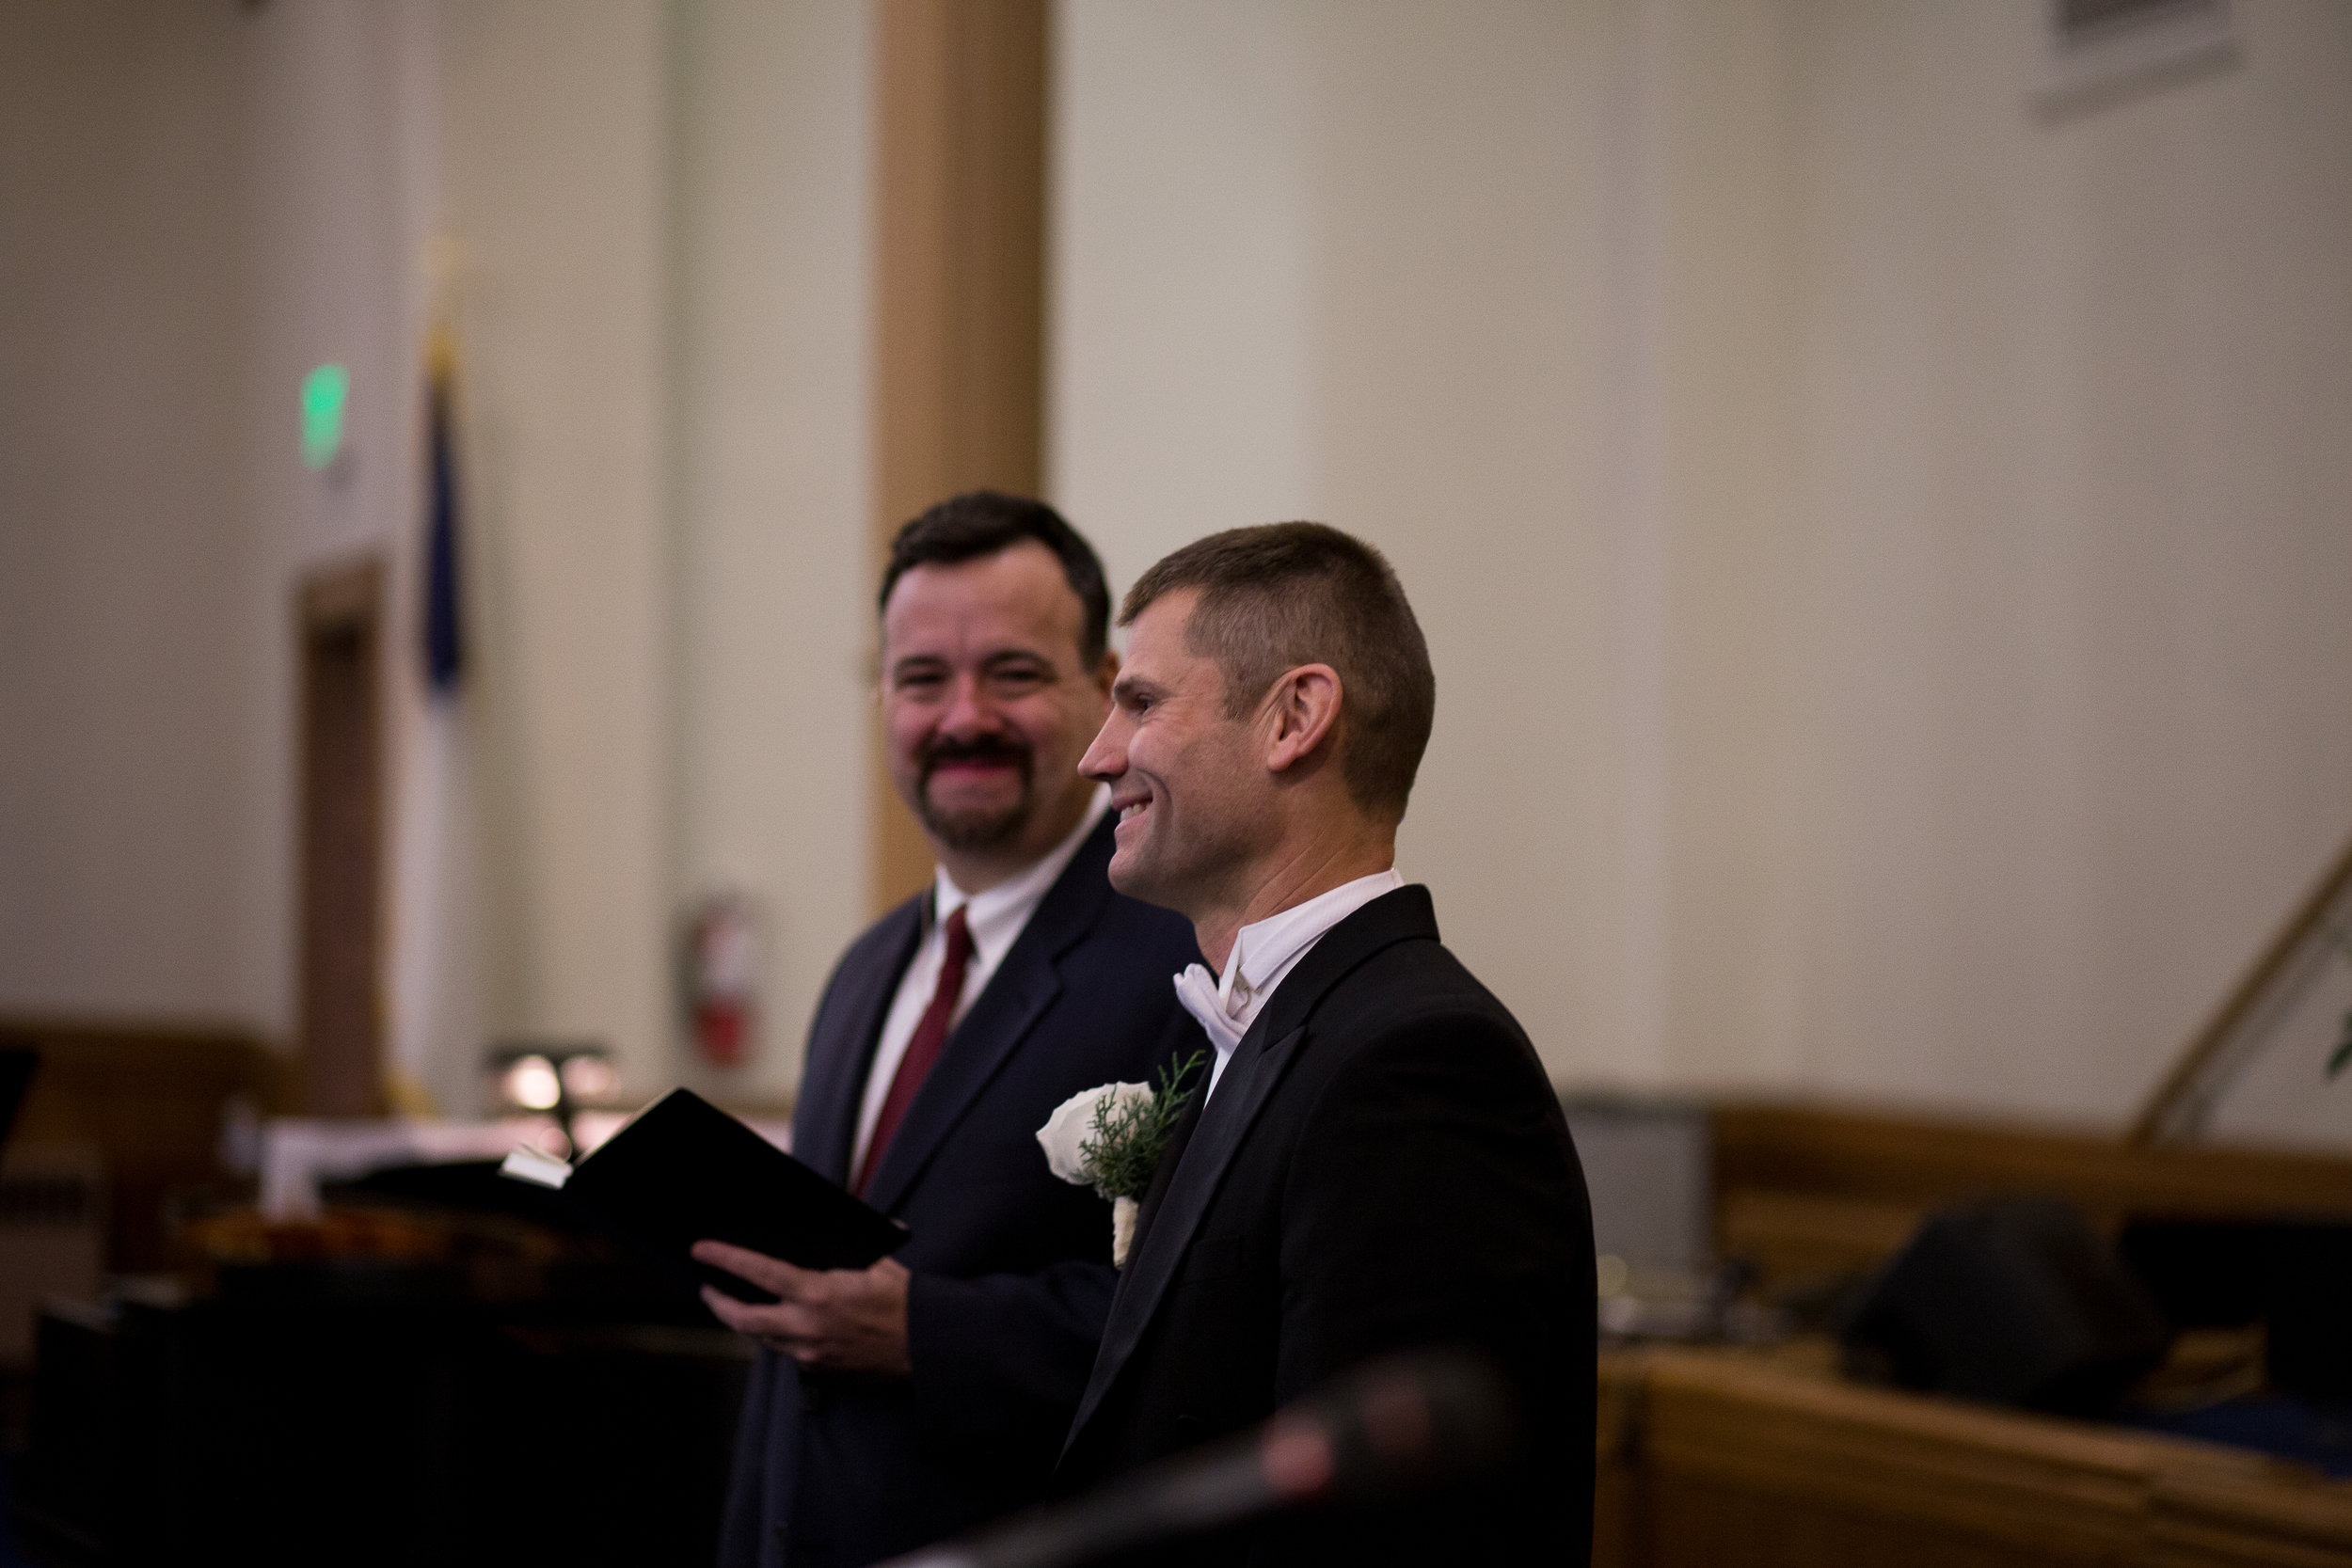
x=993, y=749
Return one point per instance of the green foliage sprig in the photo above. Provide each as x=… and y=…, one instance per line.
x=1129, y=1137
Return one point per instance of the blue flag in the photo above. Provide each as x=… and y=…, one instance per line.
x=444, y=627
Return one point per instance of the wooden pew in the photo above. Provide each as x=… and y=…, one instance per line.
x=148, y=1102
x=1767, y=1459
x=1720, y=1457
x=2212, y=1519
x=1811, y=1189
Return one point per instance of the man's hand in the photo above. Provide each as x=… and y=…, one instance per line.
x=843, y=1320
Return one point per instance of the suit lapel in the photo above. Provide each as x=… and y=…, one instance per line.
x=1002, y=1016
x=1256, y=1068
x=824, y=1125
x=1260, y=1061
x=1161, y=1174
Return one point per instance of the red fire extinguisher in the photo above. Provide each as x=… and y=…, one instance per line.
x=721, y=977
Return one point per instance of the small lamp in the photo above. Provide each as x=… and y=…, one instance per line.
x=550, y=1079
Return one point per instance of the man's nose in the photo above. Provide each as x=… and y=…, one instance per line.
x=970, y=709
x=1107, y=758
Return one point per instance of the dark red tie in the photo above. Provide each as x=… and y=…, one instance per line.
x=922, y=1047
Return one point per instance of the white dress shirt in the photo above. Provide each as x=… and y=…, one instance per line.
x=995, y=919
x=1263, y=954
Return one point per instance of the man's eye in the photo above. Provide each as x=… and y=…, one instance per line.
x=915, y=685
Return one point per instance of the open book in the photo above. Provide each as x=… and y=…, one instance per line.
x=682, y=1171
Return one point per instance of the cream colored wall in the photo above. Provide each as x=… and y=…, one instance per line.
x=1884, y=549
x=657, y=219
x=1338, y=262
x=2077, y=506
x=772, y=612
x=334, y=201
x=555, y=191
x=660, y=212
x=242, y=197
x=122, y=551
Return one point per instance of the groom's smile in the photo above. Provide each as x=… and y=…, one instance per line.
x=1178, y=766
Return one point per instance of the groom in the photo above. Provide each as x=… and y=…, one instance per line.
x=1379, y=1163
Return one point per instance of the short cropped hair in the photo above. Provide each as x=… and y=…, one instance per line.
x=984, y=522
x=1284, y=594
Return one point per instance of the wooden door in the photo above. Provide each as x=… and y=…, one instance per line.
x=340, y=1016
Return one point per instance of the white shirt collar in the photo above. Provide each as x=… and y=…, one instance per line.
x=1262, y=955
x=996, y=915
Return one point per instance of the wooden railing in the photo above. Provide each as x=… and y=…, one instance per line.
x=1715, y=1458
x=1806, y=1189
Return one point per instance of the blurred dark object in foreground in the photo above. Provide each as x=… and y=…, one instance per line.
x=2292, y=1274
x=2018, y=1302
x=17, y=1066
x=2205, y=1272
x=2280, y=1425
x=2307, y=1301
x=2015, y=1301
x=1396, y=1429
x=385, y=1385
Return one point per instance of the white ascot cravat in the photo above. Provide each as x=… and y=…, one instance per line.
x=1196, y=988
x=1263, y=954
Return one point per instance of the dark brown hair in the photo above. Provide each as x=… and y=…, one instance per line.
x=982, y=522
x=1284, y=594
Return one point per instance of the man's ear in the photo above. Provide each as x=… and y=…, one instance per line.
x=1105, y=673
x=1304, y=706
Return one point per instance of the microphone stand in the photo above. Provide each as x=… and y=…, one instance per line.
x=1393, y=1428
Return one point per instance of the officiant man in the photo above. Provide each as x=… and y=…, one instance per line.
x=1379, y=1163
x=893, y=1405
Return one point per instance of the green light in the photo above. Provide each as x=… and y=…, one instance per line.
x=324, y=391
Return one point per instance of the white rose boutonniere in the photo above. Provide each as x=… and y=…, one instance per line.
x=1111, y=1138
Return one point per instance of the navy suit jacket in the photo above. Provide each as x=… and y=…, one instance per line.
x=1383, y=1166
x=1012, y=1265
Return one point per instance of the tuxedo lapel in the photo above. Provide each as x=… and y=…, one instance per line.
x=1179, y=1136
x=1260, y=1061
x=1255, y=1069
x=824, y=1125
x=1002, y=1016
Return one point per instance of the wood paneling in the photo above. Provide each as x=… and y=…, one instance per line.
x=1840, y=1182
x=960, y=285
x=1769, y=1459
x=151, y=1100
x=53, y=1235
x=1994, y=1488
x=339, y=1040
x=2210, y=1519
x=1793, y=1236
x=1742, y=1458
x=1617, y=1491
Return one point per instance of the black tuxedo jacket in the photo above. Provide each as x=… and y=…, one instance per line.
x=1012, y=1265
x=1383, y=1165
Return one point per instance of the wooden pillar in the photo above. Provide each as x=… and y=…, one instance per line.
x=340, y=1016
x=960, y=286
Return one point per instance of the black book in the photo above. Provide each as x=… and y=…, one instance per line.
x=683, y=1171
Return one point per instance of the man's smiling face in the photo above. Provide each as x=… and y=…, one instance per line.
x=987, y=701
x=1185, y=779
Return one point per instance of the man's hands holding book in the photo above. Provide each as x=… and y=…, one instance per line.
x=841, y=1319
